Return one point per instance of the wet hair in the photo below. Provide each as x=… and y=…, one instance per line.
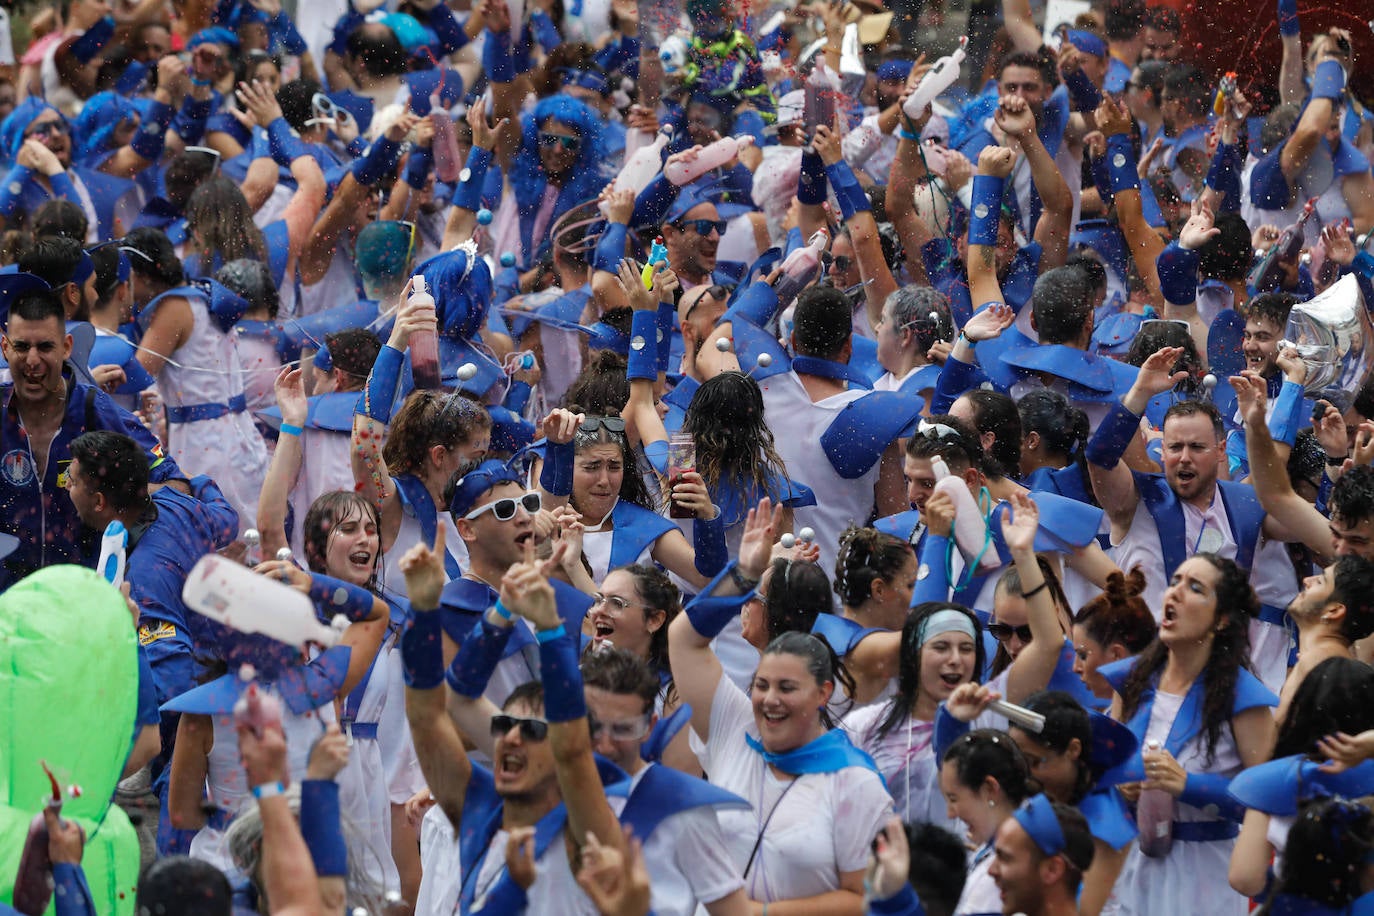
x=909, y=660
x=531, y=693
x=1065, y=720
x=1188, y=84
x=1324, y=859
x=1009, y=583
x=378, y=49
x=1352, y=498
x=252, y=280
x=995, y=412
x=1354, y=588
x=1125, y=19
x=815, y=653
x=106, y=260
x=183, y=886
x=734, y=444
x=960, y=452
x=1118, y=614
x=1033, y=61
x=156, y=258
x=184, y=174
x=1162, y=19
x=632, y=488
x=1089, y=263
x=659, y=594
x=1197, y=408
x=621, y=671
x=51, y=258
x=1227, y=255
x=1063, y=427
x=1271, y=307
x=1061, y=305
x=938, y=868
x=1236, y=606
x=296, y=99
x=354, y=350
x=601, y=388
x=925, y=310
x=1333, y=697
x=323, y=518
x=1151, y=77
x=1156, y=335
x=115, y=467
x=798, y=592
x=822, y=323
x=429, y=418
x=61, y=218
x=865, y=555
x=220, y=224
x=987, y=753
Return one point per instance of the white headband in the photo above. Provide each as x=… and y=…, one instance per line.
x=945, y=621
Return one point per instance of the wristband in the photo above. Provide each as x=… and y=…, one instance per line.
x=518, y=396
x=742, y=582
x=610, y=248
x=290, y=429
x=268, y=790
x=545, y=32
x=283, y=145
x=1177, y=269
x=502, y=611
x=190, y=120
x=481, y=651
x=422, y=651
x=708, y=543
x=1221, y=174
x=320, y=827
x=811, y=184
x=380, y=160
x=1114, y=435
x=1363, y=265
x=985, y=210
x=563, y=698
x=520, y=51
x=93, y=39
x=151, y=136
x=666, y=313
x=418, y=167
x=848, y=191
x=290, y=37
x=497, y=59
x=468, y=194
x=1336, y=461
x=62, y=187
x=643, y=354
x=447, y=29
x=556, y=476
x=335, y=596
x=380, y=391
x=710, y=615
x=356, y=147
x=907, y=135
x=1328, y=82
x=132, y=79
x=1082, y=91
x=1288, y=18
x=1288, y=416
x=12, y=192
x=1121, y=166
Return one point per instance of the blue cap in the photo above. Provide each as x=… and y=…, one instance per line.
x=1113, y=334
x=693, y=195
x=605, y=337
x=409, y=32
x=475, y=483
x=1278, y=787
x=214, y=35
x=594, y=80
x=894, y=69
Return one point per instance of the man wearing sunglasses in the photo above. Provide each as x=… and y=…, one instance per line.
x=673, y=814
x=544, y=790
x=692, y=230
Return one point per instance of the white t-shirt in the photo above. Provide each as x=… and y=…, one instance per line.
x=818, y=826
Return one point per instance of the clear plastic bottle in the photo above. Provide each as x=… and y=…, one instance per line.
x=424, y=344
x=1155, y=813
x=937, y=80
x=709, y=157
x=820, y=91
x=800, y=268
x=447, y=165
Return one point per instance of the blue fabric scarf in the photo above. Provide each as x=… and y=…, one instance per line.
x=826, y=754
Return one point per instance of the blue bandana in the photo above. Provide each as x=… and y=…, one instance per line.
x=477, y=482
x=1038, y=819
x=826, y=754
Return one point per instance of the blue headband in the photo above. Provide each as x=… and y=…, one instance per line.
x=1087, y=42
x=894, y=70
x=1038, y=819
x=586, y=79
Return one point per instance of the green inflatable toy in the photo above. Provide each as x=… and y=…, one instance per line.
x=68, y=697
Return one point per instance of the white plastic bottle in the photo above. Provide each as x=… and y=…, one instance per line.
x=970, y=529
x=937, y=80
x=641, y=166
x=240, y=598
x=1155, y=813
x=113, y=547
x=709, y=157
x=423, y=344
x=800, y=268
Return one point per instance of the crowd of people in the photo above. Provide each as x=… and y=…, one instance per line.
x=699, y=459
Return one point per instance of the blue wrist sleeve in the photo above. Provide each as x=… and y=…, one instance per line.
x=93, y=39
x=545, y=32
x=151, y=136
x=1288, y=18
x=610, y=248
x=757, y=303
x=62, y=187
x=518, y=396
x=71, y=895
x=335, y=596
x=1223, y=175
x=556, y=476
x=289, y=36
x=132, y=79
x=904, y=903
x=708, y=540
x=847, y=190
x=947, y=731
x=1178, y=274
x=448, y=29
x=932, y=575
x=497, y=59
x=1288, y=415
x=1115, y=434
x=422, y=651
x=468, y=194
x=356, y=147
x=418, y=167
x=643, y=356
x=12, y=192
x=284, y=146
x=321, y=829
x=666, y=313
x=1204, y=789
x=956, y=377
x=349, y=21
x=190, y=120
x=1121, y=166
x=651, y=205
x=1328, y=82
x=380, y=160
x=710, y=614
x=1363, y=265
x=477, y=658
x=380, y=391
x=811, y=183
x=563, y=698
x=1082, y=91
x=985, y=213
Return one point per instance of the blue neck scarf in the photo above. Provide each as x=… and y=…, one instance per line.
x=826, y=754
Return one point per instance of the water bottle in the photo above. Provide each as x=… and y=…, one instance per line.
x=113, y=545
x=640, y=166
x=1154, y=815
x=800, y=268
x=970, y=528
x=447, y=166
x=682, y=457
x=424, y=343
x=709, y=157
x=937, y=80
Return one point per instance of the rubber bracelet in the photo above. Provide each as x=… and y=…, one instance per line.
x=468, y=194
x=422, y=651
x=320, y=827
x=497, y=59
x=151, y=137
x=556, y=476
x=848, y=191
x=380, y=391
x=1120, y=159
x=1114, y=435
x=643, y=354
x=908, y=135
x=335, y=596
x=481, y=651
x=268, y=790
x=985, y=211
x=502, y=611
x=380, y=160
x=1082, y=91
x=200, y=82
x=558, y=670
x=811, y=183
x=1328, y=82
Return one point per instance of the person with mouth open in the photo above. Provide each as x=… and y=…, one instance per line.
x=1039, y=857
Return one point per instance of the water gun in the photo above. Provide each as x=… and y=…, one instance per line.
x=658, y=254
x=113, y=546
x=1225, y=89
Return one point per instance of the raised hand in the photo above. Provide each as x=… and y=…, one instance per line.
x=990, y=322
x=890, y=862
x=938, y=514
x=620, y=205
x=402, y=126
x=1113, y=118
x=1019, y=525
x=1157, y=373
x=256, y=99
x=425, y=574
x=1252, y=396
x=411, y=317
x=1340, y=247
x=290, y=394
x=968, y=701
x=561, y=425
x=1345, y=751
x=1293, y=366
x=1200, y=227
x=1015, y=118
x=762, y=526
x=630, y=277
x=996, y=161
x=826, y=143
x=618, y=883
x=1329, y=428
x=525, y=588
x=485, y=135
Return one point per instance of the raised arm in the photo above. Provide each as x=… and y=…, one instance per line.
x=1032, y=669
x=908, y=168
x=857, y=213
x=1017, y=121
x=1291, y=88
x=286, y=461
x=467, y=197
x=1020, y=25
x=1144, y=243
x=994, y=165
x=1328, y=88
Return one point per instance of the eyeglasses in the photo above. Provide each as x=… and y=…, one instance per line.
x=549, y=141
x=46, y=128
x=530, y=729
x=621, y=729
x=612, y=424
x=703, y=226
x=504, y=509
x=1003, y=632
x=616, y=602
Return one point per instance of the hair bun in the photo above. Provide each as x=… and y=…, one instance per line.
x=1122, y=586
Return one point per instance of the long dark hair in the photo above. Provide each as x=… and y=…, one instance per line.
x=659, y=594
x=632, y=489
x=1327, y=848
x=909, y=661
x=866, y=555
x=324, y=516
x=1236, y=607
x=799, y=592
x=995, y=412
x=734, y=445
x=1330, y=699
x=429, y=418
x=816, y=653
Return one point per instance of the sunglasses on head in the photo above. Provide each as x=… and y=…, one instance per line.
x=549, y=141
x=504, y=509
x=1003, y=632
x=621, y=729
x=715, y=291
x=530, y=729
x=612, y=424
x=703, y=226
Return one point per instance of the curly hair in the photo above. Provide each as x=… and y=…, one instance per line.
x=734, y=445
x=1119, y=614
x=1236, y=606
x=866, y=555
x=429, y=418
x=220, y=225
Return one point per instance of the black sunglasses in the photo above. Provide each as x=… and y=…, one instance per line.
x=549, y=140
x=612, y=424
x=1003, y=632
x=46, y=128
x=530, y=729
x=703, y=226
x=842, y=262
